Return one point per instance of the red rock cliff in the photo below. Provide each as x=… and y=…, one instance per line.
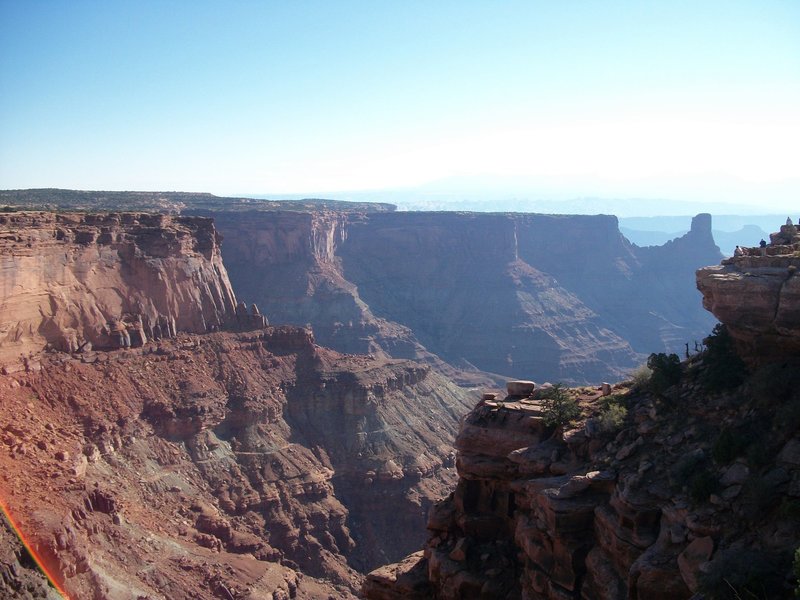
x=69, y=280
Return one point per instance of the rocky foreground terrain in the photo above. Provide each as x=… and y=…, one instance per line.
x=144, y=459
x=683, y=483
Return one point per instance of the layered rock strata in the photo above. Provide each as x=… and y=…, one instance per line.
x=77, y=281
x=565, y=297
x=145, y=461
x=758, y=298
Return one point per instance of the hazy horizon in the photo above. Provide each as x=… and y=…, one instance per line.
x=534, y=102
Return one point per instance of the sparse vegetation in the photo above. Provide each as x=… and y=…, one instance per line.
x=724, y=369
x=686, y=465
x=728, y=446
x=558, y=406
x=761, y=495
x=612, y=413
x=694, y=471
x=702, y=484
x=666, y=371
x=789, y=509
x=641, y=376
x=775, y=385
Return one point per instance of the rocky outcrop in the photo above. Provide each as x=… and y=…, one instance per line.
x=657, y=507
x=757, y=296
x=564, y=297
x=244, y=465
x=76, y=281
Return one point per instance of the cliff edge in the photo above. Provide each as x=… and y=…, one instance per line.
x=756, y=294
x=684, y=483
x=77, y=281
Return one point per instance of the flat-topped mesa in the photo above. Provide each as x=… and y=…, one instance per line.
x=75, y=281
x=756, y=294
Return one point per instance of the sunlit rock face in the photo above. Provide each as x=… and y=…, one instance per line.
x=758, y=298
x=543, y=296
x=74, y=281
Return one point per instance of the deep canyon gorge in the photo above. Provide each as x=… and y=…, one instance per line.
x=229, y=398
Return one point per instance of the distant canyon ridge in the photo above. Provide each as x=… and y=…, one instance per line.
x=548, y=297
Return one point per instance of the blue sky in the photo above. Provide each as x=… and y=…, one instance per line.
x=637, y=98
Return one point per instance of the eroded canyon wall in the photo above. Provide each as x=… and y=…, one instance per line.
x=770, y=285
x=237, y=460
x=70, y=280
x=549, y=297
x=692, y=492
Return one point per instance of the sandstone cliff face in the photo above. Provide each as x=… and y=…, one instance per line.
x=224, y=464
x=550, y=297
x=71, y=280
x=758, y=298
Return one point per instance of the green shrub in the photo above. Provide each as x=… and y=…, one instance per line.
x=694, y=471
x=613, y=400
x=686, y=466
x=797, y=572
x=741, y=574
x=612, y=417
x=641, y=376
x=724, y=369
x=758, y=455
x=775, y=384
x=760, y=495
x=666, y=370
x=789, y=509
x=558, y=406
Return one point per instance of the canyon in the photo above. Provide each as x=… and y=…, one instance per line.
x=161, y=438
x=476, y=295
x=693, y=492
x=559, y=298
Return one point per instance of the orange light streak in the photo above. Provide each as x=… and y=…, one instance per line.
x=37, y=559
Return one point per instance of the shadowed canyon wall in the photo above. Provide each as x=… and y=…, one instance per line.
x=549, y=297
